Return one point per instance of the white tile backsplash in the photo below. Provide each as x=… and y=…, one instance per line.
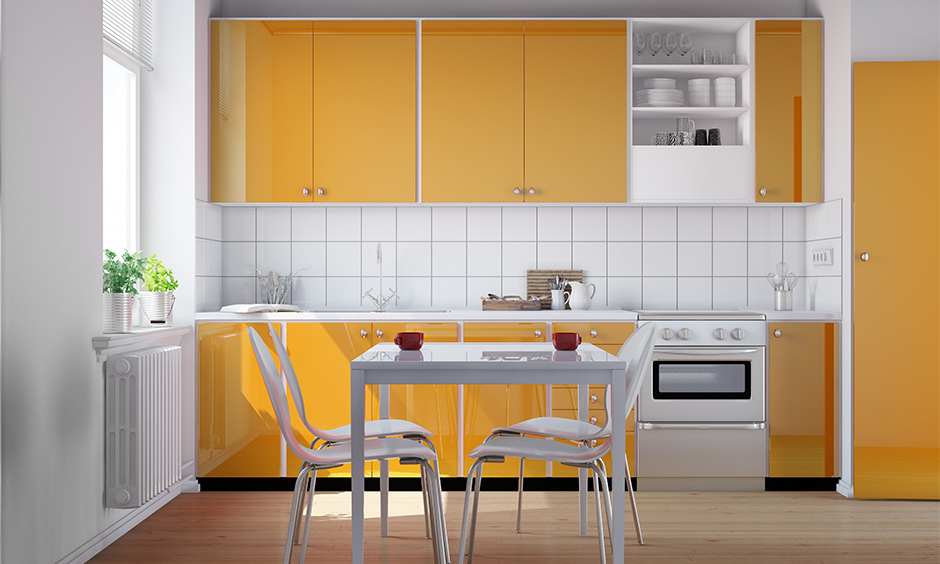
x=729, y=292
x=370, y=263
x=765, y=224
x=308, y=258
x=414, y=292
x=794, y=224
x=729, y=259
x=660, y=224
x=414, y=259
x=794, y=254
x=308, y=224
x=273, y=224
x=484, y=258
x=694, y=292
x=554, y=255
x=274, y=257
x=659, y=293
x=729, y=224
x=763, y=257
x=449, y=293
x=238, y=290
x=694, y=259
x=378, y=224
x=449, y=224
x=519, y=224
x=589, y=224
x=238, y=258
x=760, y=294
x=659, y=259
x=599, y=301
x=695, y=224
x=208, y=293
x=518, y=257
x=624, y=258
x=448, y=259
x=344, y=292
x=414, y=224
x=484, y=224
x=624, y=224
x=309, y=292
x=480, y=286
x=238, y=224
x=343, y=224
x=624, y=292
x=591, y=257
x=554, y=224
x=343, y=258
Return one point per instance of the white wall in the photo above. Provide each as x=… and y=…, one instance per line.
x=900, y=30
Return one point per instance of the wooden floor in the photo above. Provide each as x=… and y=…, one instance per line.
x=720, y=527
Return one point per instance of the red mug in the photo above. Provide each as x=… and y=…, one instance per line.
x=566, y=341
x=409, y=340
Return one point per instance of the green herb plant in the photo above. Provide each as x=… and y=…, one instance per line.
x=122, y=274
x=157, y=277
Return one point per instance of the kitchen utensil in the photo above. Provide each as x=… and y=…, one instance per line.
x=579, y=297
x=714, y=136
x=783, y=300
x=685, y=43
x=685, y=124
x=783, y=268
x=566, y=341
x=671, y=43
x=655, y=44
x=639, y=45
x=791, y=281
x=558, y=299
x=541, y=282
x=409, y=340
x=701, y=137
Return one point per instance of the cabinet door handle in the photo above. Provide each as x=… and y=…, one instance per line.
x=594, y=332
x=864, y=257
x=763, y=191
x=538, y=332
x=778, y=333
x=593, y=420
x=363, y=333
x=531, y=191
x=305, y=191
x=593, y=398
x=319, y=191
x=516, y=191
x=379, y=333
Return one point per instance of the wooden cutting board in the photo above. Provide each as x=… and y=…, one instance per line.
x=537, y=283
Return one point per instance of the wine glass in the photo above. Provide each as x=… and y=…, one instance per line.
x=656, y=43
x=639, y=45
x=670, y=44
x=685, y=43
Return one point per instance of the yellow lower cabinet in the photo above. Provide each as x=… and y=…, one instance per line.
x=238, y=434
x=803, y=400
x=486, y=407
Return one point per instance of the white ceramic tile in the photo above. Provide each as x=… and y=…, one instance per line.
x=371, y=284
x=208, y=221
x=760, y=295
x=484, y=224
x=695, y=224
x=413, y=259
x=484, y=258
x=624, y=224
x=659, y=293
x=660, y=224
x=344, y=292
x=343, y=258
x=449, y=292
x=370, y=263
x=478, y=286
x=599, y=301
x=238, y=224
x=695, y=293
x=729, y=293
x=824, y=293
x=276, y=257
x=834, y=210
x=308, y=258
x=449, y=224
x=794, y=224
x=729, y=259
x=343, y=224
x=554, y=224
x=413, y=292
x=835, y=269
x=624, y=259
x=238, y=290
x=449, y=259
x=589, y=224
x=729, y=224
x=309, y=292
x=514, y=286
x=273, y=224
x=308, y=224
x=794, y=254
x=659, y=259
x=590, y=257
x=695, y=259
x=378, y=224
x=764, y=223
x=414, y=224
x=238, y=259
x=554, y=255
x=519, y=224
x=517, y=258
x=208, y=293
x=624, y=292
x=762, y=257
x=208, y=257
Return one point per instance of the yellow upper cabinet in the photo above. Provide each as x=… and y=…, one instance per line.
x=364, y=111
x=261, y=111
x=576, y=111
x=472, y=111
x=788, y=111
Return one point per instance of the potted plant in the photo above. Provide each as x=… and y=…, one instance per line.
x=157, y=302
x=121, y=275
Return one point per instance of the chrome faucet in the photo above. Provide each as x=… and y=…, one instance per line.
x=380, y=301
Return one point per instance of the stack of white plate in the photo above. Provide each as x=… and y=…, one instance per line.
x=725, y=92
x=660, y=97
x=700, y=92
x=659, y=83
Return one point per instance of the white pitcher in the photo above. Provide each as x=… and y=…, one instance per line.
x=578, y=297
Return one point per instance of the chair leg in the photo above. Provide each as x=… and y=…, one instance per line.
x=313, y=485
x=636, y=516
x=466, y=511
x=299, y=486
x=597, y=510
x=424, y=502
x=434, y=510
x=473, y=519
x=610, y=510
x=303, y=492
x=519, y=507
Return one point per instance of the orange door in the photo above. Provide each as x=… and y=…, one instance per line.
x=364, y=111
x=472, y=111
x=897, y=299
x=576, y=111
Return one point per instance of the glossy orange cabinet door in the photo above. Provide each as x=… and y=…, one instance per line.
x=238, y=434
x=261, y=111
x=576, y=111
x=472, y=82
x=897, y=258
x=788, y=111
x=803, y=412
x=364, y=111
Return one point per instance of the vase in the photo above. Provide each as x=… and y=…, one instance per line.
x=157, y=308
x=117, y=309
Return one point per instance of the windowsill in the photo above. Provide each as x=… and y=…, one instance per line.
x=138, y=338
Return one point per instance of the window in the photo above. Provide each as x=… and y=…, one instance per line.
x=120, y=144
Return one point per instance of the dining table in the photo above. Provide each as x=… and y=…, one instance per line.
x=488, y=364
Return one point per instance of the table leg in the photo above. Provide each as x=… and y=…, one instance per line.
x=583, y=415
x=618, y=468
x=357, y=394
x=383, y=466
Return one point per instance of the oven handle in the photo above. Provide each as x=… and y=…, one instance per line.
x=709, y=426
x=705, y=351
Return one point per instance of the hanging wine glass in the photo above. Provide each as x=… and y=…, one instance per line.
x=656, y=44
x=685, y=43
x=639, y=45
x=670, y=44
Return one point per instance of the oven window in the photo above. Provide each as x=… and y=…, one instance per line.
x=684, y=379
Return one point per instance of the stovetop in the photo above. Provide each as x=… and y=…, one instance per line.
x=698, y=315
x=688, y=328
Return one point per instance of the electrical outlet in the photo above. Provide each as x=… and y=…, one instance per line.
x=822, y=257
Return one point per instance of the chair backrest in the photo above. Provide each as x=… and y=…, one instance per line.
x=287, y=368
x=637, y=352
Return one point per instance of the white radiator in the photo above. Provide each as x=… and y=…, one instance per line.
x=143, y=442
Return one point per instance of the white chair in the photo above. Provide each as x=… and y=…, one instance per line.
x=574, y=430
x=498, y=447
x=406, y=450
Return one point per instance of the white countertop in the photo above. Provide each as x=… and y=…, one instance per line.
x=437, y=356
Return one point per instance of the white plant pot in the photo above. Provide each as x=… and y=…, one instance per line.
x=157, y=308
x=118, y=310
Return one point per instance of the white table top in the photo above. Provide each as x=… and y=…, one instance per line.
x=504, y=356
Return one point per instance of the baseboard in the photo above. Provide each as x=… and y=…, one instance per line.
x=846, y=489
x=800, y=484
x=394, y=484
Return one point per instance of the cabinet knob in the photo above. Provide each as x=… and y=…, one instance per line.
x=531, y=191
x=778, y=333
x=594, y=332
x=305, y=191
x=363, y=333
x=593, y=419
x=593, y=398
x=516, y=191
x=763, y=191
x=538, y=332
x=379, y=333
x=319, y=191
x=864, y=257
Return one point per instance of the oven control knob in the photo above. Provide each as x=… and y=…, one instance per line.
x=737, y=334
x=721, y=334
x=685, y=334
x=667, y=334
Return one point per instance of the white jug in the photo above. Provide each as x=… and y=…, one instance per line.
x=578, y=297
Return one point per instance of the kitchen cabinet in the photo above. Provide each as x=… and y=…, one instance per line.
x=530, y=111
x=803, y=383
x=788, y=111
x=896, y=450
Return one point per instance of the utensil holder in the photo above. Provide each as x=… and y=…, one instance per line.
x=558, y=299
x=783, y=300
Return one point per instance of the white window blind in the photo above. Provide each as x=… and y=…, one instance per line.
x=128, y=25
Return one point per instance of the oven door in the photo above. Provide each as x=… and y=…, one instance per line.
x=703, y=385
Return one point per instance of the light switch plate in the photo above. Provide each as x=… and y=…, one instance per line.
x=822, y=257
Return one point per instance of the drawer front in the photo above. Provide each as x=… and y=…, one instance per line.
x=504, y=332
x=566, y=397
x=598, y=333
